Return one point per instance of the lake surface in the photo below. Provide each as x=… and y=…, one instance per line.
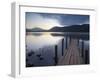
x=40, y=46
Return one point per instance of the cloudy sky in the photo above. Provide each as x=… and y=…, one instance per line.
x=47, y=20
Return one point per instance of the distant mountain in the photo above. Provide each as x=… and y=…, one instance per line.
x=72, y=28
x=35, y=30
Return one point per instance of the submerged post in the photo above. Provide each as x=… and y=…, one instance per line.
x=56, y=56
x=62, y=47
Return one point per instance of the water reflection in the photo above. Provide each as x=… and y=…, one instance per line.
x=40, y=46
x=34, y=41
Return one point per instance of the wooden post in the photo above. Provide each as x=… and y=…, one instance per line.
x=87, y=57
x=78, y=42
x=56, y=56
x=66, y=42
x=70, y=39
x=79, y=47
x=62, y=47
x=82, y=51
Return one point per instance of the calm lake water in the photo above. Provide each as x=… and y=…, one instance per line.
x=40, y=46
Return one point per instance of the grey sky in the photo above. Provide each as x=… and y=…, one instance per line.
x=49, y=20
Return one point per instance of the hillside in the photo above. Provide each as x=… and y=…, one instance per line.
x=72, y=28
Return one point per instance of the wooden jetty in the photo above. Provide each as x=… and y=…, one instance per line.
x=71, y=54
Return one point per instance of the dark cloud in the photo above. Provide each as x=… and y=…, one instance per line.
x=63, y=19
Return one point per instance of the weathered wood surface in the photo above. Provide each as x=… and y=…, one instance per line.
x=71, y=54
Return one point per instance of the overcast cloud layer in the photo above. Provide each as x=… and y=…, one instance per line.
x=48, y=20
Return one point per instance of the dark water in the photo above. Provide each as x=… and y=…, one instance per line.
x=40, y=46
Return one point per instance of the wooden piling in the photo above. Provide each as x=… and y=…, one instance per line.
x=82, y=50
x=70, y=40
x=66, y=43
x=56, y=55
x=62, y=47
x=87, y=57
x=78, y=42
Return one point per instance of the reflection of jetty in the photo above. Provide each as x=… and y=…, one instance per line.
x=72, y=54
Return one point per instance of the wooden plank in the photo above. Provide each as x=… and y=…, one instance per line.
x=71, y=54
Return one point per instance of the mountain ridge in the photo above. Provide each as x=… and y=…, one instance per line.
x=72, y=28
